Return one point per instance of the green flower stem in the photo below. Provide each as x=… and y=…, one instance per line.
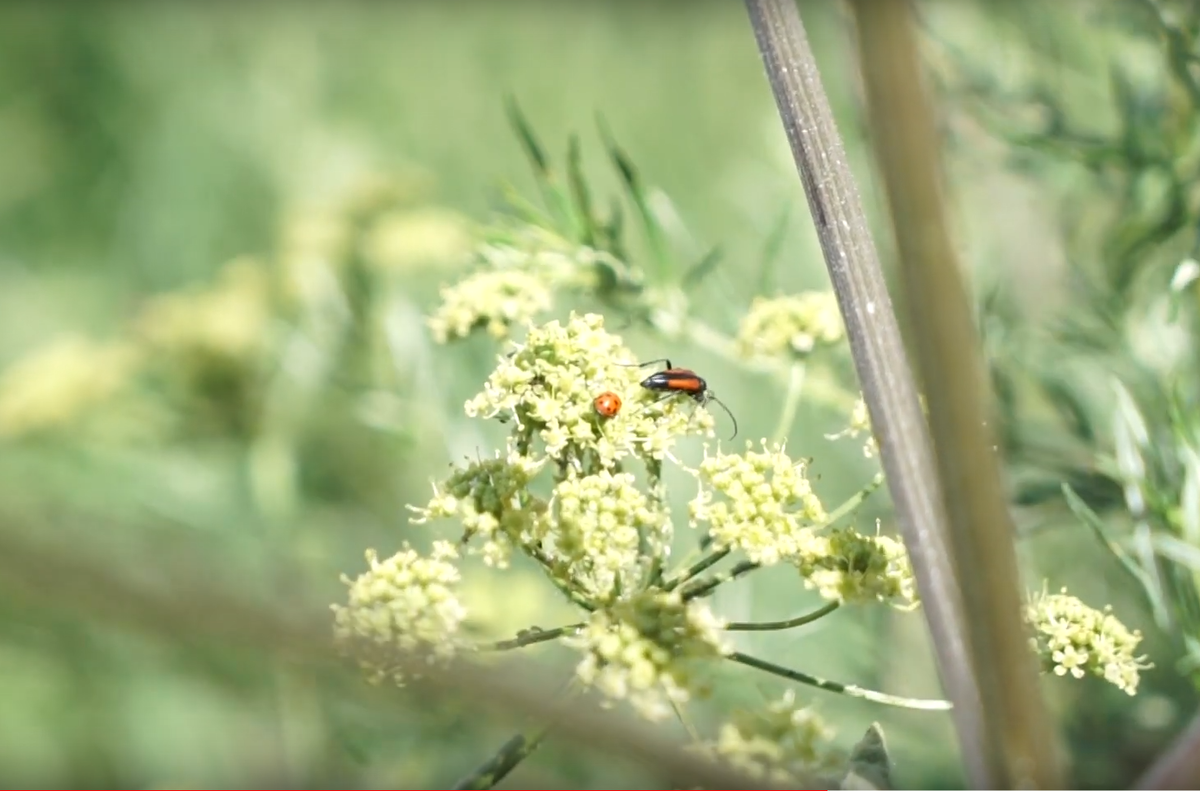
x=854, y=501
x=769, y=626
x=705, y=587
x=684, y=720
x=1177, y=49
x=843, y=689
x=703, y=564
x=530, y=637
x=791, y=402
x=561, y=584
x=518, y=748
x=495, y=769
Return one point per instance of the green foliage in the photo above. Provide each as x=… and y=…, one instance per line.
x=1113, y=376
x=215, y=365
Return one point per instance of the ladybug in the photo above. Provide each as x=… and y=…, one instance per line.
x=607, y=404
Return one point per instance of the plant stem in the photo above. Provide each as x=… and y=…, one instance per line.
x=563, y=587
x=1178, y=50
x=791, y=401
x=686, y=722
x=1019, y=745
x=530, y=637
x=770, y=626
x=495, y=769
x=705, y=587
x=841, y=689
x=703, y=564
x=854, y=501
x=516, y=749
x=887, y=382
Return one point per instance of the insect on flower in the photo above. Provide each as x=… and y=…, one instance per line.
x=672, y=380
x=607, y=404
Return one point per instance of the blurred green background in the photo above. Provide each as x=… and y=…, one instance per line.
x=143, y=146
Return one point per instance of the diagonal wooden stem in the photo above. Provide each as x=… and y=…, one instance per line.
x=1020, y=749
x=879, y=356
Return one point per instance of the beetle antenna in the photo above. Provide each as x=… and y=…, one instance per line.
x=645, y=364
x=711, y=397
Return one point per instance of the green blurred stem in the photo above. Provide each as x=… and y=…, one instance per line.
x=703, y=564
x=530, y=637
x=548, y=567
x=854, y=501
x=1178, y=50
x=770, y=626
x=705, y=587
x=790, y=403
x=515, y=750
x=842, y=689
x=518, y=748
x=686, y=722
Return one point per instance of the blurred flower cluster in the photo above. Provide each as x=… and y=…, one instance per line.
x=210, y=357
x=782, y=743
x=1075, y=639
x=860, y=422
x=790, y=326
x=517, y=274
x=580, y=492
x=407, y=602
x=583, y=496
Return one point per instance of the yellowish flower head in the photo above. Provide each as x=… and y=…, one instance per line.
x=228, y=321
x=519, y=272
x=56, y=384
x=850, y=567
x=780, y=744
x=406, y=603
x=400, y=241
x=602, y=529
x=490, y=498
x=647, y=648
x=547, y=389
x=758, y=502
x=860, y=422
x=1076, y=640
x=494, y=300
x=791, y=326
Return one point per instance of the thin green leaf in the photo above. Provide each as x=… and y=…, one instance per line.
x=1130, y=437
x=496, y=768
x=640, y=198
x=580, y=195
x=555, y=200
x=1085, y=514
x=1143, y=547
x=703, y=268
x=1185, y=422
x=1189, y=498
x=529, y=142
x=922, y=704
x=523, y=208
x=1176, y=550
x=614, y=231
x=771, y=249
x=1067, y=402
